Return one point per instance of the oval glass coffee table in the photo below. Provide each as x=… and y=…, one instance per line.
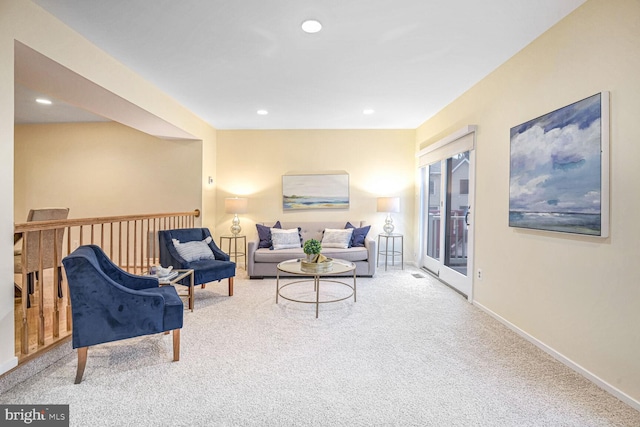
x=339, y=267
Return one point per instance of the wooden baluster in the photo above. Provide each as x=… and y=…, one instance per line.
x=40, y=289
x=142, y=246
x=135, y=247
x=153, y=239
x=69, y=325
x=111, y=240
x=120, y=243
x=25, y=297
x=56, y=278
x=148, y=245
x=127, y=245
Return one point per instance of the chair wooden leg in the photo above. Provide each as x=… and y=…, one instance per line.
x=176, y=345
x=82, y=362
x=230, y=286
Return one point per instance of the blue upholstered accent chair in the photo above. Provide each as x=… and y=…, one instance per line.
x=109, y=304
x=216, y=268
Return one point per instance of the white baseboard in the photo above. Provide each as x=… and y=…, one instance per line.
x=8, y=365
x=564, y=360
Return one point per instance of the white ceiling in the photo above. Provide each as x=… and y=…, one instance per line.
x=224, y=60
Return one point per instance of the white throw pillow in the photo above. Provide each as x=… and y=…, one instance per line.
x=336, y=238
x=195, y=250
x=285, y=239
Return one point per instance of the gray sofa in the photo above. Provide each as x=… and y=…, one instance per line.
x=262, y=262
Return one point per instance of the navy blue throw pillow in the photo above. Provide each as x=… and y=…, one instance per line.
x=358, y=235
x=264, y=234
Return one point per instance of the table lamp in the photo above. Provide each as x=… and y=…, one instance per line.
x=235, y=206
x=388, y=205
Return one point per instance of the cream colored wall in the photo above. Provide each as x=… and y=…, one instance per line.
x=379, y=163
x=103, y=169
x=577, y=295
x=208, y=189
x=25, y=22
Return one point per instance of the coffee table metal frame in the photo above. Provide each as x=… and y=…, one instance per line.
x=294, y=267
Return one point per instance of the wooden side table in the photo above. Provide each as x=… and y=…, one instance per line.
x=393, y=253
x=235, y=253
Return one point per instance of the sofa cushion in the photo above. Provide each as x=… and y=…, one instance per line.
x=268, y=256
x=264, y=234
x=359, y=234
x=336, y=238
x=285, y=239
x=350, y=254
x=206, y=271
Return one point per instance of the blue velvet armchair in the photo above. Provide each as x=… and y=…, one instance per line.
x=214, y=267
x=109, y=304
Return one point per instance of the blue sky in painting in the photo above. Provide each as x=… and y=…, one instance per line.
x=316, y=185
x=555, y=161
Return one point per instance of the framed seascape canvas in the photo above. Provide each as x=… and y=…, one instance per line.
x=315, y=191
x=559, y=170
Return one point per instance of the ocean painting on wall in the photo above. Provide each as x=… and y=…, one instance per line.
x=559, y=170
x=315, y=191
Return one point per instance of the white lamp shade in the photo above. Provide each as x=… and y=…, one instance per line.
x=388, y=204
x=235, y=205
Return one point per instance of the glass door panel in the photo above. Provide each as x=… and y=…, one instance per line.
x=446, y=217
x=456, y=238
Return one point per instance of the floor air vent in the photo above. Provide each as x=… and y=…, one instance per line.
x=418, y=275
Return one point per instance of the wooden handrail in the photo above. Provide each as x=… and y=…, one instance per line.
x=75, y=222
x=132, y=248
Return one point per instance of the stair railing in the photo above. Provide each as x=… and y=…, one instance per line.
x=131, y=241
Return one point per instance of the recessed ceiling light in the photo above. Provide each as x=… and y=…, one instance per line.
x=311, y=26
x=43, y=101
x=262, y=112
x=368, y=111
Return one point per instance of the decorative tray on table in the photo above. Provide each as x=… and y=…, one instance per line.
x=316, y=267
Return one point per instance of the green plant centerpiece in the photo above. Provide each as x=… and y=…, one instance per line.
x=315, y=261
x=312, y=248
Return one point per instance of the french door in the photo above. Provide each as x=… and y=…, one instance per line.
x=447, y=218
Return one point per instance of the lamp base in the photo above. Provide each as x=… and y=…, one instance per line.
x=235, y=225
x=388, y=225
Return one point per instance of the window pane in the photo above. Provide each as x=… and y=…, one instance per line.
x=464, y=186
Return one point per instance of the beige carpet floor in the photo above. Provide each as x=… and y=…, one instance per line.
x=409, y=352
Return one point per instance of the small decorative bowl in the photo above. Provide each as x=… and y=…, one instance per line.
x=160, y=271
